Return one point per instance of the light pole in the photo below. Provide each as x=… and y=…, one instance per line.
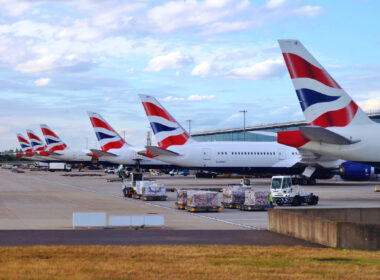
x=244, y=112
x=189, y=121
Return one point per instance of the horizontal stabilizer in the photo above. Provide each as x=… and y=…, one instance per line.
x=100, y=153
x=157, y=151
x=320, y=134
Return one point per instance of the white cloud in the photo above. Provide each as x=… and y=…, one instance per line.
x=233, y=117
x=172, y=60
x=372, y=104
x=194, y=97
x=191, y=13
x=42, y=82
x=15, y=8
x=309, y=11
x=37, y=65
x=258, y=71
x=203, y=69
x=274, y=4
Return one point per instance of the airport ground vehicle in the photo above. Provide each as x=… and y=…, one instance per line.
x=135, y=187
x=283, y=192
x=184, y=172
x=59, y=166
x=110, y=170
x=129, y=183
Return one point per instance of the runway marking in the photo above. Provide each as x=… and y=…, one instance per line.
x=147, y=203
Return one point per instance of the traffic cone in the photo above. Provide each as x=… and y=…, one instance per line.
x=376, y=188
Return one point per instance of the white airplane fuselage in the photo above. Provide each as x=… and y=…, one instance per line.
x=234, y=157
x=72, y=155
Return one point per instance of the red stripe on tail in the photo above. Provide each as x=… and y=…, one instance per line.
x=300, y=68
x=341, y=117
x=33, y=136
x=173, y=140
x=58, y=148
x=112, y=145
x=154, y=110
x=99, y=123
x=46, y=131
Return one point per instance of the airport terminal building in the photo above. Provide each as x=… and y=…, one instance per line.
x=238, y=134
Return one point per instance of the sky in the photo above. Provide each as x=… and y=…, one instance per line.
x=205, y=60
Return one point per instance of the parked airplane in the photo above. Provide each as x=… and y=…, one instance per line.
x=57, y=149
x=175, y=146
x=336, y=125
x=39, y=147
x=27, y=150
x=114, y=149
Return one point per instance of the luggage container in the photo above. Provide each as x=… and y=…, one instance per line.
x=181, y=199
x=202, y=201
x=255, y=200
x=234, y=196
x=150, y=190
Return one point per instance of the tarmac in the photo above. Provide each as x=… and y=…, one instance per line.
x=40, y=200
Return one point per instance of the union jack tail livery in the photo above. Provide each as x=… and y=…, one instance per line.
x=35, y=141
x=54, y=143
x=167, y=130
x=108, y=138
x=25, y=145
x=323, y=102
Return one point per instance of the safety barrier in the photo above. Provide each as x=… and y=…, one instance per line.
x=89, y=220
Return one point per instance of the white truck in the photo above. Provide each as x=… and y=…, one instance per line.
x=59, y=166
x=283, y=192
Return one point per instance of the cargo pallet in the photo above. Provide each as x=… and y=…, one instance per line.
x=203, y=209
x=244, y=207
x=180, y=206
x=230, y=205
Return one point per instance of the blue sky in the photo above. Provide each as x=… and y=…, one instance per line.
x=204, y=60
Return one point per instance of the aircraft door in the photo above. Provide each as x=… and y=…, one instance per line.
x=206, y=154
x=281, y=154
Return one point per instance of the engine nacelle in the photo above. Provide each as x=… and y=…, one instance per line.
x=352, y=171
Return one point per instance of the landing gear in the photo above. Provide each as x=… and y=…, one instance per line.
x=303, y=181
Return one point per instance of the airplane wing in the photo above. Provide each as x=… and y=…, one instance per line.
x=314, y=159
x=320, y=134
x=157, y=151
x=100, y=153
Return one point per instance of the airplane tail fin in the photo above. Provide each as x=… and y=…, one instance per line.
x=107, y=137
x=323, y=102
x=24, y=143
x=54, y=143
x=35, y=141
x=166, y=129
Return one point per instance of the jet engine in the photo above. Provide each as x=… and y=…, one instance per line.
x=352, y=171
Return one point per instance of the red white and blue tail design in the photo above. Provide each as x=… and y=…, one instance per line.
x=166, y=129
x=24, y=143
x=108, y=138
x=54, y=143
x=35, y=141
x=323, y=102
